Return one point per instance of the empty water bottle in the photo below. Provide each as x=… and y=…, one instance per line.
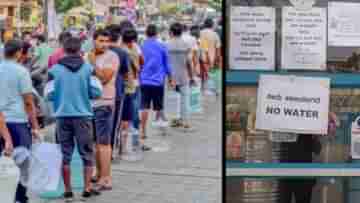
x=133, y=152
x=135, y=138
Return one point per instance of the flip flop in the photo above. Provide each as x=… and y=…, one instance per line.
x=145, y=148
x=94, y=179
x=104, y=188
x=176, y=124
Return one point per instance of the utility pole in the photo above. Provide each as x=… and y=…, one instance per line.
x=45, y=17
x=18, y=16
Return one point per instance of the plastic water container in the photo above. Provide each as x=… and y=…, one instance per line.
x=134, y=152
x=9, y=178
x=33, y=173
x=76, y=178
x=195, y=98
x=172, y=104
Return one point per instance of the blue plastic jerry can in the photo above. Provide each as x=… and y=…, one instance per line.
x=76, y=178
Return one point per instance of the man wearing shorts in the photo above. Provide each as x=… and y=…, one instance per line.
x=17, y=105
x=211, y=49
x=73, y=112
x=122, y=75
x=152, y=77
x=106, y=64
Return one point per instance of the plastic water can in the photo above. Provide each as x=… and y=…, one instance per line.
x=9, y=178
x=134, y=152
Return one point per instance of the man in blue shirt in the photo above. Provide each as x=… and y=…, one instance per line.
x=153, y=75
x=73, y=111
x=16, y=103
x=6, y=144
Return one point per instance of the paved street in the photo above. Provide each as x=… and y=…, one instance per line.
x=190, y=172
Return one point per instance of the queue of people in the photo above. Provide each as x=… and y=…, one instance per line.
x=100, y=95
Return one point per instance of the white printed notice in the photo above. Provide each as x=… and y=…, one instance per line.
x=252, y=38
x=344, y=24
x=293, y=104
x=304, y=39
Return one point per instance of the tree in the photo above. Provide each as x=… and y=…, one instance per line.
x=25, y=13
x=215, y=4
x=167, y=9
x=62, y=6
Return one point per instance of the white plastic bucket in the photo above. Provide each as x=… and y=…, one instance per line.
x=9, y=178
x=195, y=98
x=172, y=104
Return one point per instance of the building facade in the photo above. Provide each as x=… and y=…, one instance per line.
x=20, y=13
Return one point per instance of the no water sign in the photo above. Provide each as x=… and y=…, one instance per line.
x=293, y=104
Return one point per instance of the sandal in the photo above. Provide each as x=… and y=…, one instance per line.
x=103, y=187
x=94, y=179
x=145, y=148
x=176, y=123
x=88, y=194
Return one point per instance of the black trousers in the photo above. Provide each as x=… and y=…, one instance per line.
x=300, y=189
x=117, y=120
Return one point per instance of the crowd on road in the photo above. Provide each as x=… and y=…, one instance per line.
x=100, y=86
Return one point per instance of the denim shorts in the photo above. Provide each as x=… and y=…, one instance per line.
x=152, y=95
x=128, y=108
x=79, y=129
x=20, y=135
x=104, y=122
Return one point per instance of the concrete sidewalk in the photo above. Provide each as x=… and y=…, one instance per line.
x=189, y=172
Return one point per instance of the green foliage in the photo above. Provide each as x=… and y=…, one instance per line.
x=169, y=9
x=25, y=13
x=40, y=2
x=141, y=3
x=62, y=6
x=215, y=4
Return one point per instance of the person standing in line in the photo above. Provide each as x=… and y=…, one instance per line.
x=152, y=77
x=211, y=45
x=126, y=26
x=59, y=52
x=17, y=104
x=106, y=64
x=179, y=51
x=202, y=58
x=6, y=144
x=73, y=112
x=192, y=41
x=130, y=114
x=122, y=75
x=137, y=61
